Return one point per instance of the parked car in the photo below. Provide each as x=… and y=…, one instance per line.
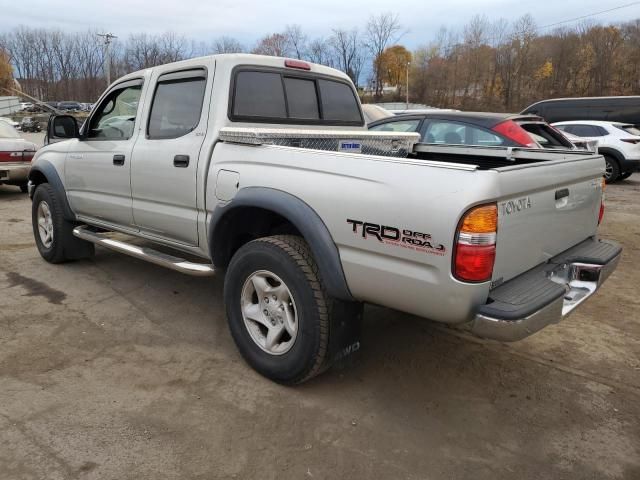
x=24, y=106
x=69, y=106
x=11, y=122
x=29, y=124
x=609, y=109
x=582, y=143
x=15, y=157
x=267, y=175
x=52, y=107
x=374, y=112
x=619, y=143
x=477, y=128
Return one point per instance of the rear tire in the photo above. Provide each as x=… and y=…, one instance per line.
x=253, y=291
x=53, y=234
x=612, y=171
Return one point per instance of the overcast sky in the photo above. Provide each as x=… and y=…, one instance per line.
x=247, y=20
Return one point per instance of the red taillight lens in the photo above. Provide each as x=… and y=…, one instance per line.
x=474, y=263
x=16, y=156
x=514, y=132
x=299, y=64
x=601, y=213
x=475, y=250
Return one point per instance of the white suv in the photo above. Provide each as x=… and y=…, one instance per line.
x=619, y=143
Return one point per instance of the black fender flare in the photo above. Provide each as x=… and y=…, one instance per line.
x=612, y=152
x=49, y=172
x=304, y=218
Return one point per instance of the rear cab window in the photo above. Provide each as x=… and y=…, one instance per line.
x=272, y=95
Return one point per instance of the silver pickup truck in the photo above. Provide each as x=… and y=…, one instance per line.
x=261, y=168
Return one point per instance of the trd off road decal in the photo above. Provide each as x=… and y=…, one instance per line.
x=405, y=238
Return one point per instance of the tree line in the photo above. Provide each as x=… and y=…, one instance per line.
x=499, y=65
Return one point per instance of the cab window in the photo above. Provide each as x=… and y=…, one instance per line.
x=115, y=117
x=177, y=105
x=397, y=126
x=454, y=133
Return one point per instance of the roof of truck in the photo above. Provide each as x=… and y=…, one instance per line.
x=230, y=60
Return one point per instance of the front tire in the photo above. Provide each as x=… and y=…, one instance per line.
x=278, y=309
x=53, y=234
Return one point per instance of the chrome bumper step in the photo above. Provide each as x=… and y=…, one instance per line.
x=547, y=293
x=145, y=253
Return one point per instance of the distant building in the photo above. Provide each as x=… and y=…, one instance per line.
x=9, y=105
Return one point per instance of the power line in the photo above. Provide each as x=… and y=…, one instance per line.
x=511, y=36
x=107, y=57
x=589, y=15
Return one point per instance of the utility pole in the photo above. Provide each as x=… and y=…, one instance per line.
x=408, y=64
x=108, y=37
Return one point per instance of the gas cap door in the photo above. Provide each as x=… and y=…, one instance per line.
x=227, y=185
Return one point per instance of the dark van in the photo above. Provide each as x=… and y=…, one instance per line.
x=610, y=109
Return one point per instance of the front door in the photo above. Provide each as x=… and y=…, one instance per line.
x=165, y=159
x=98, y=165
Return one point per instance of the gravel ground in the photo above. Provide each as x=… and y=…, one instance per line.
x=117, y=369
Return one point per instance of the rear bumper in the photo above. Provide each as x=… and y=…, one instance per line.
x=547, y=293
x=14, y=172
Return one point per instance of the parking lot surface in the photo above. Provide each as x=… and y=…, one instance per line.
x=113, y=368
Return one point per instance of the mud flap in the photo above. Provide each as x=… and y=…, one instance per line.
x=345, y=329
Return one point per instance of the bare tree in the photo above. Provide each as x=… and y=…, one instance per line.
x=297, y=40
x=348, y=52
x=319, y=51
x=275, y=45
x=227, y=45
x=381, y=30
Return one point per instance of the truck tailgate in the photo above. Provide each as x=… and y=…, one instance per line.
x=544, y=209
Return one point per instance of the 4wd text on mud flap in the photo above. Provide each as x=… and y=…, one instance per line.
x=394, y=236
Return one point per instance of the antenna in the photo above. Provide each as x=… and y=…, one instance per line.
x=108, y=37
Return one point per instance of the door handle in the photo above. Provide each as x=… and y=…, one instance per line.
x=118, y=159
x=562, y=193
x=181, y=161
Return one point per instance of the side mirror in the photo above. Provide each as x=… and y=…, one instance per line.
x=61, y=127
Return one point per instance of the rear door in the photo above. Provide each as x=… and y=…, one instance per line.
x=544, y=209
x=165, y=158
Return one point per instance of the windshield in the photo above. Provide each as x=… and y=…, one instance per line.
x=7, y=131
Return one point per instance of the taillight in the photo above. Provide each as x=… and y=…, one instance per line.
x=601, y=213
x=22, y=156
x=630, y=140
x=515, y=132
x=475, y=249
x=299, y=64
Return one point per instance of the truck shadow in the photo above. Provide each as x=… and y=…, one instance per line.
x=10, y=192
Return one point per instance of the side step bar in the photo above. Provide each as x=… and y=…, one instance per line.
x=144, y=253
